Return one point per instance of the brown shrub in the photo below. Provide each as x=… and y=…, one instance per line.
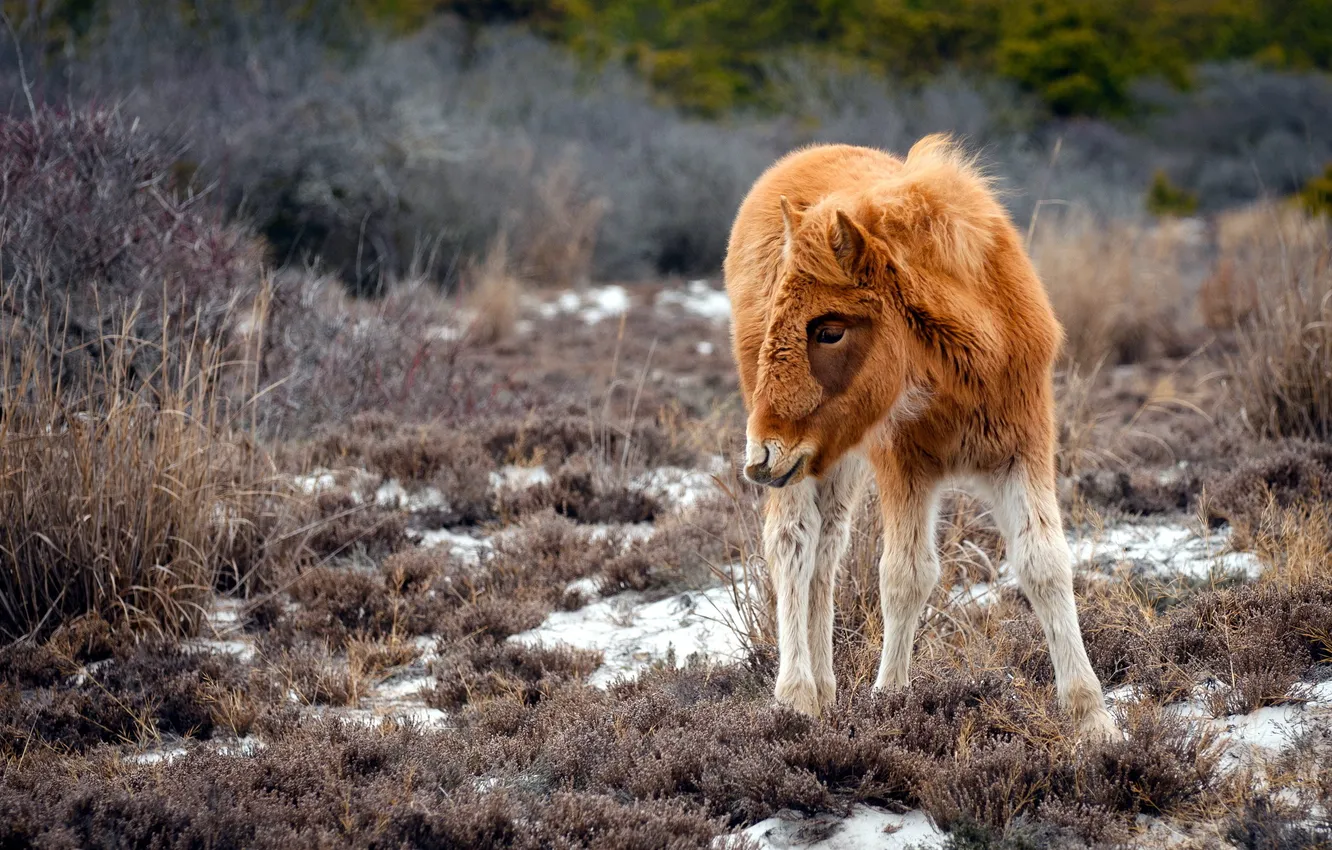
x=315, y=676
x=452, y=460
x=140, y=694
x=324, y=782
x=1286, y=474
x=346, y=526
x=479, y=670
x=582, y=493
x=684, y=550
x=1253, y=244
x=493, y=297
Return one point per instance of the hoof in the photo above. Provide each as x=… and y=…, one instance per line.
x=802, y=695
x=827, y=693
x=1099, y=726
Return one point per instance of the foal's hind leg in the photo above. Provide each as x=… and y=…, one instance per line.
x=839, y=493
x=1028, y=515
x=909, y=568
x=790, y=546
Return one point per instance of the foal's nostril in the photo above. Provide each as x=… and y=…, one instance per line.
x=759, y=473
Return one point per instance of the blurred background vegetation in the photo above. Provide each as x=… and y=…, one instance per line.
x=393, y=138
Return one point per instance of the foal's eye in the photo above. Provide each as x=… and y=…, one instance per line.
x=829, y=334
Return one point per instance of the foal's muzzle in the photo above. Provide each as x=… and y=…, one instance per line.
x=766, y=464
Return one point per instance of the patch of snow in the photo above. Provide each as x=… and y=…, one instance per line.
x=430, y=718
x=316, y=482
x=593, y=305
x=606, y=301
x=404, y=689
x=980, y=593
x=628, y=531
x=699, y=298
x=676, y=487
x=463, y=547
x=865, y=827
x=632, y=634
x=588, y=588
x=391, y=494
x=1123, y=693
x=705, y=348
x=167, y=755
x=449, y=333
x=513, y=477
x=1265, y=731
x=1164, y=549
x=225, y=614
x=242, y=747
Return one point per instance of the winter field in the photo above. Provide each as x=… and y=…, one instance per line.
x=369, y=466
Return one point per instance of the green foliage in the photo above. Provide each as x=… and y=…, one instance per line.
x=1164, y=198
x=1316, y=196
x=1078, y=56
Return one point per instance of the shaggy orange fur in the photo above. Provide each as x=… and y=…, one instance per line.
x=885, y=310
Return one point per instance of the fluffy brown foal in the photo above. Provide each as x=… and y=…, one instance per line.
x=885, y=315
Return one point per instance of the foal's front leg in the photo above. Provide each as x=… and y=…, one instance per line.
x=839, y=493
x=908, y=570
x=790, y=546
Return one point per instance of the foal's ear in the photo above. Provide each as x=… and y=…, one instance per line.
x=849, y=243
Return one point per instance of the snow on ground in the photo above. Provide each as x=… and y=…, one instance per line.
x=316, y=482
x=1266, y=731
x=632, y=633
x=464, y=547
x=865, y=827
x=679, y=488
x=222, y=632
x=168, y=753
x=700, y=299
x=513, y=477
x=1164, y=549
x=391, y=494
x=593, y=305
x=420, y=715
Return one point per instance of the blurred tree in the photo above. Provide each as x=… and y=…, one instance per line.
x=709, y=56
x=1316, y=197
x=1164, y=198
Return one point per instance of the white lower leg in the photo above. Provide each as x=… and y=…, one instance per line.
x=839, y=495
x=790, y=546
x=908, y=572
x=1041, y=558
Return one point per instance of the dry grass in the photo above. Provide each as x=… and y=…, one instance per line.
x=133, y=501
x=1119, y=289
x=1258, y=248
x=493, y=294
x=1279, y=371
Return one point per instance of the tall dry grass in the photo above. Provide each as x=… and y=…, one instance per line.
x=1275, y=285
x=125, y=496
x=1121, y=289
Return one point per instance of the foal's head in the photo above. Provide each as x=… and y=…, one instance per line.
x=843, y=340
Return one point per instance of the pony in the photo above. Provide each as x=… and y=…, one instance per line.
x=887, y=319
